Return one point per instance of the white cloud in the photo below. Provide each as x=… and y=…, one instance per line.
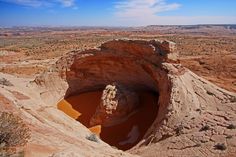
x=41, y=3
x=67, y=3
x=177, y=20
x=145, y=12
x=143, y=8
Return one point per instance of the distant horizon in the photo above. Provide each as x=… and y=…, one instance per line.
x=78, y=26
x=70, y=26
x=115, y=13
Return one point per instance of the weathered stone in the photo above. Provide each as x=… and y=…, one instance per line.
x=117, y=104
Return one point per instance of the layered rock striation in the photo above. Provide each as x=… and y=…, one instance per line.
x=194, y=117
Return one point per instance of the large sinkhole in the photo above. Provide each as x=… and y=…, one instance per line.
x=123, y=130
x=119, y=92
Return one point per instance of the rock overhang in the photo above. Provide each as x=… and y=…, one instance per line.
x=135, y=64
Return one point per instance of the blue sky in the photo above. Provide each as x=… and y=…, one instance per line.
x=115, y=12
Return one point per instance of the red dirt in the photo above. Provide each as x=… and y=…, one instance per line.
x=143, y=119
x=82, y=107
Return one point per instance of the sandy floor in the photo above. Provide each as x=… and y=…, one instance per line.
x=82, y=107
x=123, y=136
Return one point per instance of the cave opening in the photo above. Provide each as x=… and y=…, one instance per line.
x=115, y=96
x=123, y=135
x=78, y=80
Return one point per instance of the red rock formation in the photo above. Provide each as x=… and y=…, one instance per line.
x=193, y=115
x=117, y=104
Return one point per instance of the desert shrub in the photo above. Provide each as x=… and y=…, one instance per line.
x=229, y=136
x=231, y=126
x=13, y=132
x=92, y=137
x=5, y=82
x=198, y=110
x=233, y=99
x=179, y=130
x=205, y=128
x=220, y=146
x=208, y=92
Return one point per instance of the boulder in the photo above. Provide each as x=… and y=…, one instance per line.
x=117, y=104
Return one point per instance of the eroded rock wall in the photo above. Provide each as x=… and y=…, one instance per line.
x=193, y=115
x=135, y=64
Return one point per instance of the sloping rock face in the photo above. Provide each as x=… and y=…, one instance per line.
x=194, y=118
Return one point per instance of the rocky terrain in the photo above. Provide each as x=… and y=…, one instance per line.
x=121, y=97
x=204, y=49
